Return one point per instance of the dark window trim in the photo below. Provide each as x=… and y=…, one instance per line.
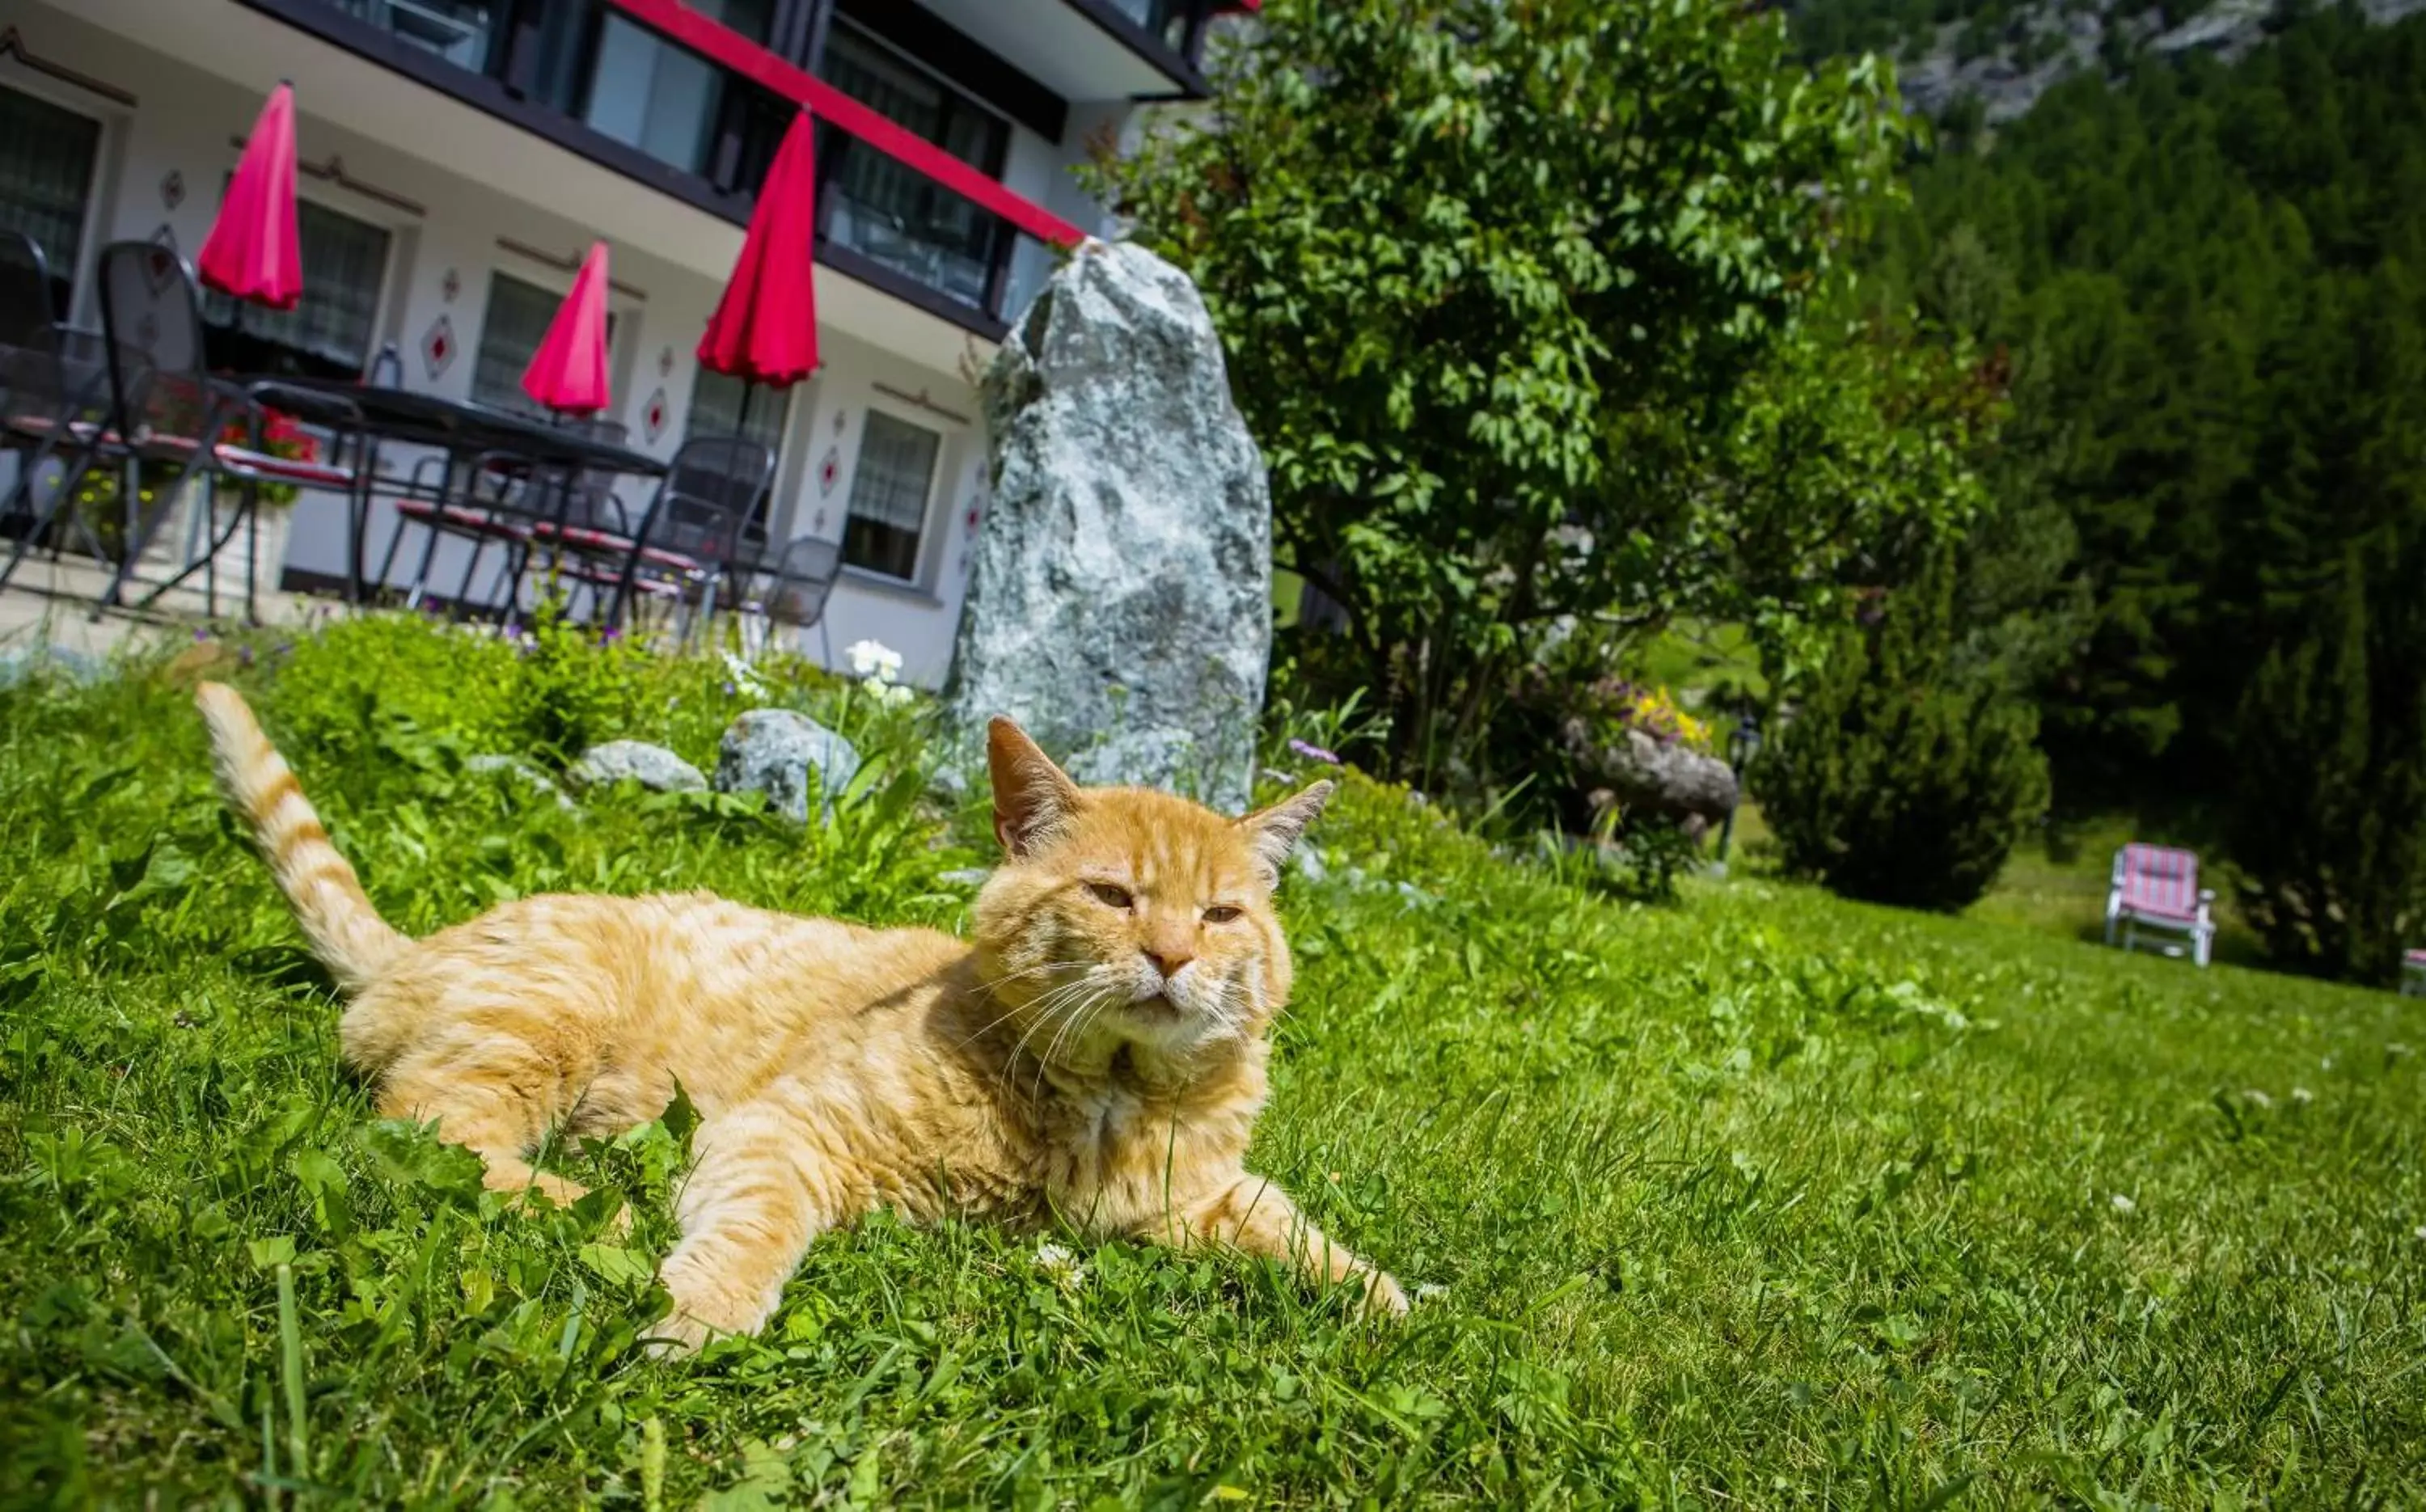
x=952, y=56
x=325, y=22
x=1179, y=68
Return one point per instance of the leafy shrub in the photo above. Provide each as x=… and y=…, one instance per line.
x=1908, y=771
x=572, y=687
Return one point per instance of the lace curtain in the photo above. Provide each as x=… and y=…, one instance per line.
x=327, y=333
x=889, y=489
x=716, y=405
x=46, y=162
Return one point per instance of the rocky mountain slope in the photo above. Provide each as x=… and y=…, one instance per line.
x=2006, y=66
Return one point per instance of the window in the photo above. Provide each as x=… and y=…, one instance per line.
x=723, y=405
x=888, y=496
x=889, y=211
x=327, y=333
x=666, y=100
x=46, y=163
x=517, y=322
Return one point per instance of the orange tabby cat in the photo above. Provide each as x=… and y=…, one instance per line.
x=1094, y=1056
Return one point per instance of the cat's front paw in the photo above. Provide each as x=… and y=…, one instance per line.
x=1383, y=1298
x=676, y=1336
x=701, y=1312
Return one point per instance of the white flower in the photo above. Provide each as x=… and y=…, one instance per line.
x=893, y=693
x=2420, y=1231
x=1061, y=1267
x=2124, y=1204
x=744, y=676
x=874, y=660
x=2302, y=1097
x=1431, y=1292
x=2257, y=1099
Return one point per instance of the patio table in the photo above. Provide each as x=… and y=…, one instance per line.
x=458, y=429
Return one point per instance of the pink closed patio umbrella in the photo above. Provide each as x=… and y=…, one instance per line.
x=765, y=328
x=568, y=373
x=254, y=251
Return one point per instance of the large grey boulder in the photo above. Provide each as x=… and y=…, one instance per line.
x=653, y=766
x=1119, y=605
x=775, y=751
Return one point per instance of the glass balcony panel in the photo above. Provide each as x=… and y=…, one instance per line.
x=460, y=31
x=890, y=213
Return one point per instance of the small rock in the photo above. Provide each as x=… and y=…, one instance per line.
x=965, y=877
x=950, y=783
x=773, y=751
x=526, y=772
x=1308, y=861
x=653, y=766
x=19, y=663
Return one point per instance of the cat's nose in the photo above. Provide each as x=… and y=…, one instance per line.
x=1167, y=961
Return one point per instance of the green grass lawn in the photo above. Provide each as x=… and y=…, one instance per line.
x=1761, y=1199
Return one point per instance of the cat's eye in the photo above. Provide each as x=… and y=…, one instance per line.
x=1109, y=895
x=1222, y=913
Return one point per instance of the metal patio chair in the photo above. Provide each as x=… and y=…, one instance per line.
x=690, y=537
x=53, y=391
x=790, y=588
x=171, y=417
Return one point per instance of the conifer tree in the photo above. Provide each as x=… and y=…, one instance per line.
x=1908, y=769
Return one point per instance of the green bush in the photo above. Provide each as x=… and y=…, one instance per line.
x=1909, y=770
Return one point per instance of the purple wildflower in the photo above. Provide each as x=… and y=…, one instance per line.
x=729, y=688
x=244, y=655
x=282, y=648
x=201, y=634
x=1313, y=753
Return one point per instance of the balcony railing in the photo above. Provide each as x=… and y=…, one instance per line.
x=689, y=97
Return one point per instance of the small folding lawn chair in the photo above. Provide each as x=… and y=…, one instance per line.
x=2155, y=887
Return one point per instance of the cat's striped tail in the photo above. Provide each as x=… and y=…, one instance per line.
x=346, y=932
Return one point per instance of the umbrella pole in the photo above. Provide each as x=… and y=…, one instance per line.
x=749, y=391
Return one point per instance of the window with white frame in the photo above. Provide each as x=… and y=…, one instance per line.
x=327, y=333
x=47, y=157
x=518, y=316
x=889, y=489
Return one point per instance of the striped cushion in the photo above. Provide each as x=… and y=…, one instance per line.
x=276, y=469
x=2160, y=882
x=458, y=517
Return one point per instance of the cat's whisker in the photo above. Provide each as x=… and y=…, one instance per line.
x=1046, y=1008
x=991, y=1025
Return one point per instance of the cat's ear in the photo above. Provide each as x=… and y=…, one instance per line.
x=1032, y=799
x=1274, y=832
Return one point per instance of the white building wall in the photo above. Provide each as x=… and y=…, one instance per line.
x=162, y=166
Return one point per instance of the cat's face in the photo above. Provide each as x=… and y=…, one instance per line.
x=1126, y=915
